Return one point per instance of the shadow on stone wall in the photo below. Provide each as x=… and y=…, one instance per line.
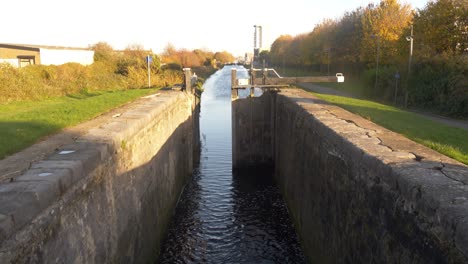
x=361, y=194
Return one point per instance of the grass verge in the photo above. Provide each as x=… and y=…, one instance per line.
x=23, y=123
x=351, y=86
x=447, y=140
x=296, y=72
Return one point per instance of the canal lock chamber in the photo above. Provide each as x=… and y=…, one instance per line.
x=228, y=215
x=348, y=184
x=357, y=193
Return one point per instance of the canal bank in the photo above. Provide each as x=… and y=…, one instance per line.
x=358, y=193
x=107, y=197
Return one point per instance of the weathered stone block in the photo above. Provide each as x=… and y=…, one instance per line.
x=23, y=200
x=74, y=166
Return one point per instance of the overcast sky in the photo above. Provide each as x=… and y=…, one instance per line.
x=214, y=25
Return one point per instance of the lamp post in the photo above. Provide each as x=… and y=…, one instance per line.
x=376, y=60
x=410, y=39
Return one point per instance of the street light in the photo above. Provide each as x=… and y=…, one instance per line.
x=410, y=39
x=376, y=59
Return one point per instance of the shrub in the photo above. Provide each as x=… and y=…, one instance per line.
x=112, y=70
x=170, y=77
x=368, y=78
x=102, y=76
x=386, y=82
x=9, y=77
x=441, y=84
x=173, y=66
x=137, y=77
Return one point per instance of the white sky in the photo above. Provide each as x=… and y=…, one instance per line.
x=214, y=25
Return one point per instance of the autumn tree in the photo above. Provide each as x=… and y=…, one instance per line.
x=103, y=51
x=170, y=55
x=354, y=42
x=187, y=58
x=318, y=45
x=134, y=56
x=383, y=25
x=223, y=57
x=279, y=49
x=293, y=53
x=347, y=40
x=105, y=59
x=439, y=76
x=178, y=58
x=135, y=51
x=205, y=57
x=441, y=27
x=288, y=50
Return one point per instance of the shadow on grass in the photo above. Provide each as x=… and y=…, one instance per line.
x=17, y=136
x=83, y=95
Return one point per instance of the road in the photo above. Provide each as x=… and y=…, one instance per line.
x=440, y=119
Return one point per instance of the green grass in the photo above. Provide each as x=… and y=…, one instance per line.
x=23, y=123
x=351, y=86
x=296, y=72
x=452, y=142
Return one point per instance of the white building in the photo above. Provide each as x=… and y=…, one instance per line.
x=20, y=55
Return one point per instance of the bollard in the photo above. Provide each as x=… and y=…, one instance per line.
x=234, y=92
x=188, y=80
x=193, y=80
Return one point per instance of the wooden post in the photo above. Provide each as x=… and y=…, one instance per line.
x=188, y=80
x=234, y=92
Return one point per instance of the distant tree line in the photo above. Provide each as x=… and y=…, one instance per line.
x=436, y=78
x=111, y=70
x=196, y=58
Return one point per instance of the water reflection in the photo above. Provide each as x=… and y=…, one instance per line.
x=224, y=217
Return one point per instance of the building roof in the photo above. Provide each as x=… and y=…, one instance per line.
x=20, y=47
x=32, y=47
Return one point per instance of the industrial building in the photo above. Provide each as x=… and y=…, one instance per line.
x=20, y=55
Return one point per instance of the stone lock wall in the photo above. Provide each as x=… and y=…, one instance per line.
x=107, y=197
x=359, y=193
x=253, y=131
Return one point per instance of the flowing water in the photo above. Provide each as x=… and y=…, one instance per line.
x=226, y=217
